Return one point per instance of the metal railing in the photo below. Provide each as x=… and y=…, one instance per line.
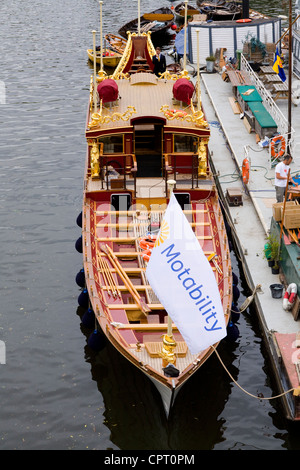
x=269, y=103
x=171, y=167
x=122, y=170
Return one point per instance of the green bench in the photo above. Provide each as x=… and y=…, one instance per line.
x=250, y=100
x=264, y=123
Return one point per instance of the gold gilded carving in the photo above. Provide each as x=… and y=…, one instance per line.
x=102, y=75
x=95, y=164
x=197, y=117
x=167, y=352
x=202, y=164
x=98, y=119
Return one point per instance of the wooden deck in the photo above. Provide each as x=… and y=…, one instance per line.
x=144, y=91
x=121, y=231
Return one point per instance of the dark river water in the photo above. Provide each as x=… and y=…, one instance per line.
x=55, y=393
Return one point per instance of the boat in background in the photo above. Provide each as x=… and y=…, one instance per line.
x=146, y=134
x=179, y=12
x=110, y=58
x=158, y=22
x=116, y=43
x=220, y=10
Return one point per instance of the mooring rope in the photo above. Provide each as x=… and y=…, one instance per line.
x=295, y=390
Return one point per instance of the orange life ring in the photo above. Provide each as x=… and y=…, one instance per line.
x=290, y=296
x=146, y=255
x=246, y=170
x=244, y=20
x=281, y=151
x=147, y=243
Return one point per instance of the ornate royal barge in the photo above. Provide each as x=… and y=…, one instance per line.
x=144, y=132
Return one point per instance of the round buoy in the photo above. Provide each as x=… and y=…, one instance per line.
x=235, y=293
x=96, y=341
x=83, y=298
x=246, y=170
x=78, y=244
x=79, y=220
x=235, y=279
x=80, y=278
x=232, y=332
x=88, y=319
x=235, y=313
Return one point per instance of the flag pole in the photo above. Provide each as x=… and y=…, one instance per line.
x=185, y=31
x=101, y=40
x=95, y=81
x=169, y=344
x=290, y=79
x=171, y=184
x=139, y=18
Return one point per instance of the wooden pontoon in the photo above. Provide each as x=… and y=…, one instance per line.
x=139, y=136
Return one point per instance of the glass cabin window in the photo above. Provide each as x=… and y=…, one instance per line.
x=184, y=143
x=112, y=144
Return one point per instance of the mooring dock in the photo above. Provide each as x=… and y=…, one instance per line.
x=251, y=221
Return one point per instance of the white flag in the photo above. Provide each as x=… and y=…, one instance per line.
x=182, y=278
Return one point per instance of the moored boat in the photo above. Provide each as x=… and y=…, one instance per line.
x=146, y=135
x=116, y=43
x=179, y=11
x=220, y=10
x=158, y=22
x=110, y=58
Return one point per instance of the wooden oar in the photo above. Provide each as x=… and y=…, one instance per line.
x=142, y=326
x=293, y=236
x=103, y=275
x=127, y=282
x=108, y=278
x=112, y=280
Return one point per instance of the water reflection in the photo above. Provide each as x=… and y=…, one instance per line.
x=134, y=412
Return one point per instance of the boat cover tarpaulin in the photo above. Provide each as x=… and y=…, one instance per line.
x=179, y=43
x=249, y=93
x=108, y=90
x=183, y=90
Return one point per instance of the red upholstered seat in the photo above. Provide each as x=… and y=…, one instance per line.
x=108, y=90
x=183, y=90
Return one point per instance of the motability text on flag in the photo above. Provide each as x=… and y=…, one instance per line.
x=196, y=292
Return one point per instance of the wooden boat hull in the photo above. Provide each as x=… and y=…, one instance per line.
x=116, y=43
x=110, y=59
x=134, y=147
x=179, y=12
x=158, y=27
x=220, y=11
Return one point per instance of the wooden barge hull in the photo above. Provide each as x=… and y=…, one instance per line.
x=135, y=143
